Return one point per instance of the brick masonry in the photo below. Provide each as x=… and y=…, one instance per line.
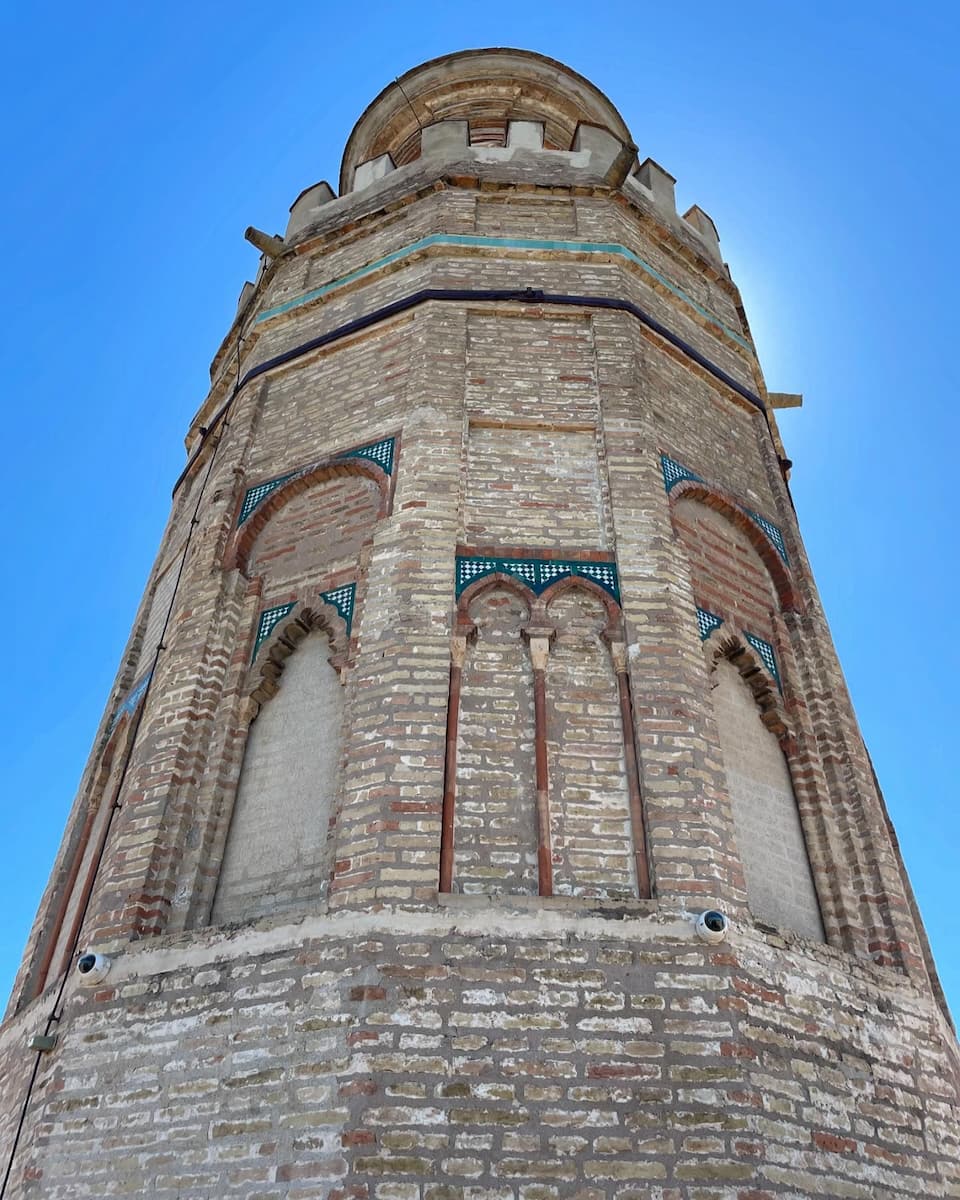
x=378, y=1039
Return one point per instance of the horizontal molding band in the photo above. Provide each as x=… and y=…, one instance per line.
x=475, y=242
x=474, y=296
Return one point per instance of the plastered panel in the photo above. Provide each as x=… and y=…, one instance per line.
x=276, y=850
x=771, y=843
x=159, y=606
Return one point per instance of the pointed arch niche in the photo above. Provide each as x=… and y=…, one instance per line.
x=740, y=584
x=81, y=871
x=278, y=852
x=770, y=838
x=317, y=519
x=303, y=536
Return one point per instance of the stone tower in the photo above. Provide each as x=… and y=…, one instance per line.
x=481, y=658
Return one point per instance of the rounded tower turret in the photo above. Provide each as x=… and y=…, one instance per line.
x=479, y=811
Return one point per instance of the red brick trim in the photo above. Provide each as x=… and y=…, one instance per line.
x=303, y=619
x=728, y=506
x=727, y=641
x=238, y=551
x=539, y=604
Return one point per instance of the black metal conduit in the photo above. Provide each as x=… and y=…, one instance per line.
x=472, y=295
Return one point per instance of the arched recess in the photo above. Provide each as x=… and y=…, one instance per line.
x=320, y=516
x=519, y=802
x=754, y=734
x=700, y=510
x=591, y=835
x=495, y=829
x=740, y=581
x=278, y=848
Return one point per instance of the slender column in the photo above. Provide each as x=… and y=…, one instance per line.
x=618, y=653
x=539, y=642
x=458, y=650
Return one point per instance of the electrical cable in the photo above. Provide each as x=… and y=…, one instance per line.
x=409, y=105
x=115, y=805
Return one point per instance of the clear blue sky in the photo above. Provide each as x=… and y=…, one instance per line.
x=140, y=141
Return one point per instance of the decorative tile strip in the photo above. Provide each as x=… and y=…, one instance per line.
x=379, y=452
x=472, y=241
x=707, y=622
x=674, y=472
x=772, y=531
x=132, y=699
x=269, y=619
x=765, y=650
x=342, y=599
x=255, y=496
x=538, y=573
x=382, y=453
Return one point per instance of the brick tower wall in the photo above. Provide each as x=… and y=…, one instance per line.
x=528, y=541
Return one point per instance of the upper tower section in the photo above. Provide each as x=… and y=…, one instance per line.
x=504, y=97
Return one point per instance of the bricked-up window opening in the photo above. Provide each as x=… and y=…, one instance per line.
x=277, y=854
x=780, y=888
x=589, y=800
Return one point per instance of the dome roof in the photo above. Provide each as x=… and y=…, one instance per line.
x=486, y=88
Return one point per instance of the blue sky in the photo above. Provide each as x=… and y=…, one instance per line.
x=140, y=141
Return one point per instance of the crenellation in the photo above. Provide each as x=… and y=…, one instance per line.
x=306, y=209
x=705, y=227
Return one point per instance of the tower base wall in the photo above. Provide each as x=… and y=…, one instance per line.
x=478, y=1053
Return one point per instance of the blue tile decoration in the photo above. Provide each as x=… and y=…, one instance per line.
x=537, y=573
x=707, y=623
x=269, y=619
x=255, y=496
x=772, y=531
x=674, y=473
x=382, y=453
x=379, y=452
x=342, y=599
x=765, y=650
x=132, y=698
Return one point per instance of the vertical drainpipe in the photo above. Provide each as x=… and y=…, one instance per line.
x=458, y=651
x=618, y=653
x=539, y=641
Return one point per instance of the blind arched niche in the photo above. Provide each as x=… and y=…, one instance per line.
x=277, y=853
